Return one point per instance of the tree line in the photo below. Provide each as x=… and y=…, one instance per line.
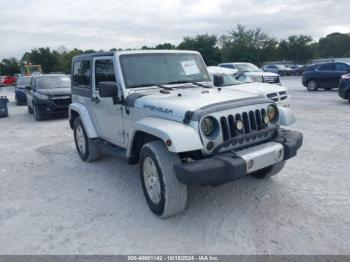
x=240, y=44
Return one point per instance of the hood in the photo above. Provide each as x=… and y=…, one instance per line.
x=55, y=91
x=191, y=99
x=260, y=73
x=257, y=88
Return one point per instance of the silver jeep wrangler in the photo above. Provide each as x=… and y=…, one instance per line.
x=160, y=109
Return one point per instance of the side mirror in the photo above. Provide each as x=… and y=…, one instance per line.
x=28, y=88
x=108, y=89
x=218, y=80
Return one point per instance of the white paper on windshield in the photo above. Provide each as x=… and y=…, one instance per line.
x=190, y=67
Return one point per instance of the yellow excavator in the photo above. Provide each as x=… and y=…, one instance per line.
x=28, y=70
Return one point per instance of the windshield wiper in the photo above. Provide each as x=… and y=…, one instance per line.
x=148, y=85
x=187, y=82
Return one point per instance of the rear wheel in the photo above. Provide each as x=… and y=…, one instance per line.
x=87, y=149
x=164, y=194
x=312, y=85
x=269, y=171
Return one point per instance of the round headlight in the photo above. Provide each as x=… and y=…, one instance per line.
x=208, y=125
x=272, y=113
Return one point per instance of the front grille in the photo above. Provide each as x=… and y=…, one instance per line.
x=280, y=96
x=255, y=131
x=252, y=120
x=62, y=102
x=272, y=79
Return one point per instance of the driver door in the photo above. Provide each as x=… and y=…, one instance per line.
x=107, y=116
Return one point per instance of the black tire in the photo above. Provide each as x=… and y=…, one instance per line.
x=92, y=150
x=269, y=171
x=38, y=115
x=312, y=85
x=30, y=110
x=173, y=194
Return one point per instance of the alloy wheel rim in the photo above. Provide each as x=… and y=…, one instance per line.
x=151, y=179
x=312, y=85
x=80, y=139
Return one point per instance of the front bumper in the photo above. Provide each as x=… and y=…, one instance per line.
x=226, y=167
x=344, y=90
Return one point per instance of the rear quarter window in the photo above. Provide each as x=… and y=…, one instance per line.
x=81, y=74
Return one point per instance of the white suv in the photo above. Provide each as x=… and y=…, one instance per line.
x=253, y=72
x=159, y=109
x=229, y=78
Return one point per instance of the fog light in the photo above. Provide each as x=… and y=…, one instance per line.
x=210, y=145
x=239, y=125
x=250, y=164
x=266, y=120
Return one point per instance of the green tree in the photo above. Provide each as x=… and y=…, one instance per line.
x=167, y=46
x=296, y=48
x=9, y=66
x=205, y=44
x=334, y=45
x=65, y=59
x=43, y=56
x=247, y=45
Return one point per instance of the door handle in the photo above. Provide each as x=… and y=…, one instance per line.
x=95, y=99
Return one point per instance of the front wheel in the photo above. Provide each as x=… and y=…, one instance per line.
x=312, y=85
x=87, y=149
x=164, y=194
x=269, y=171
x=38, y=115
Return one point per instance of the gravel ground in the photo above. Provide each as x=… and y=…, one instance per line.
x=53, y=203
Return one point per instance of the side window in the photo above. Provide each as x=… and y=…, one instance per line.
x=82, y=74
x=104, y=71
x=341, y=67
x=326, y=67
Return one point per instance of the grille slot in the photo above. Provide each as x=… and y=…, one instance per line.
x=272, y=79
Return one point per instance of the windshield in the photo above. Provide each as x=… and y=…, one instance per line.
x=247, y=68
x=53, y=82
x=162, y=68
x=230, y=80
x=24, y=81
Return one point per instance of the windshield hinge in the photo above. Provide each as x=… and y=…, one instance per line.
x=188, y=117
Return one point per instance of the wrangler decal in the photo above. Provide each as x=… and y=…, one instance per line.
x=158, y=109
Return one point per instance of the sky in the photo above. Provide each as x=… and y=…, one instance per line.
x=106, y=24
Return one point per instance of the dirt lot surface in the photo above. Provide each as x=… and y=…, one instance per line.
x=53, y=203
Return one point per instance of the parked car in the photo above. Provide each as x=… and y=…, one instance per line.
x=48, y=94
x=7, y=80
x=255, y=73
x=344, y=87
x=158, y=108
x=224, y=77
x=20, y=90
x=278, y=69
x=2, y=78
x=10, y=81
x=325, y=75
x=297, y=70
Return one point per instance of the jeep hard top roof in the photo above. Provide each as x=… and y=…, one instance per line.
x=111, y=53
